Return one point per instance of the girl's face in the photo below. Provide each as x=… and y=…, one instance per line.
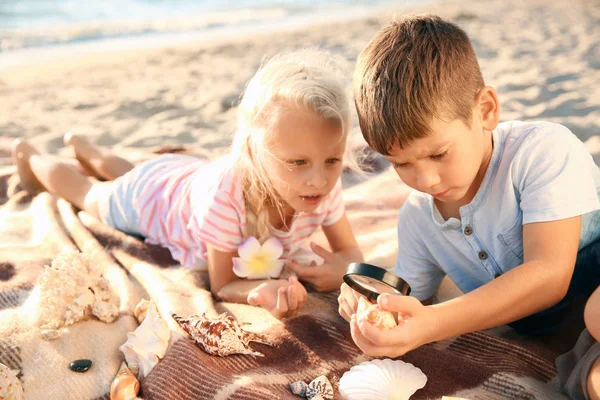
x=306, y=158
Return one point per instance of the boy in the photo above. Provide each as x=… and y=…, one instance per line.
x=508, y=211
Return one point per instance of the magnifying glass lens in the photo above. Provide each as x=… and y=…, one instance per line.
x=374, y=285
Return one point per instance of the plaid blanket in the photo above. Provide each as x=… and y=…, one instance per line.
x=34, y=230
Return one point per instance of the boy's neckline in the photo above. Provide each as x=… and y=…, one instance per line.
x=473, y=205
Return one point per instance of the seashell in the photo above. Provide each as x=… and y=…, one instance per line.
x=320, y=386
x=221, y=336
x=299, y=388
x=71, y=290
x=147, y=344
x=373, y=314
x=382, y=379
x=141, y=310
x=10, y=385
x=125, y=386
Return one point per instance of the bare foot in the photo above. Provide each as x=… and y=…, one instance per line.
x=84, y=151
x=97, y=163
x=21, y=153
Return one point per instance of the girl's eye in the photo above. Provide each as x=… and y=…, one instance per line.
x=439, y=156
x=297, y=163
x=333, y=160
x=398, y=166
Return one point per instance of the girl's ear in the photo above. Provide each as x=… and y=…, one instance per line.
x=488, y=107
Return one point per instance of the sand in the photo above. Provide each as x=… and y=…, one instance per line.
x=543, y=59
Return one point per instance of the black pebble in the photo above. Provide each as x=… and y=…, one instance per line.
x=81, y=365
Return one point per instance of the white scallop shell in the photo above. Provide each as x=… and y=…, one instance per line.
x=147, y=344
x=10, y=385
x=382, y=379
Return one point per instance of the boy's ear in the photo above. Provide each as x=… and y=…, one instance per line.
x=489, y=108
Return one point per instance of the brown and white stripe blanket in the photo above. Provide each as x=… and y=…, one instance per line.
x=33, y=230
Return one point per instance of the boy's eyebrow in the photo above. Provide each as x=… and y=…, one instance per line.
x=433, y=153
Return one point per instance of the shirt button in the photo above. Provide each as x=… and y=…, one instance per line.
x=482, y=255
x=468, y=230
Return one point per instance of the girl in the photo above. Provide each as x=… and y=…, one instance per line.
x=281, y=180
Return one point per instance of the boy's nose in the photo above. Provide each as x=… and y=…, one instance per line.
x=426, y=180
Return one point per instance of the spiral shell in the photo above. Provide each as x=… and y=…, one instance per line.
x=299, y=388
x=320, y=386
x=221, y=336
x=10, y=385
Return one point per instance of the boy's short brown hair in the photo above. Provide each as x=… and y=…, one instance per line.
x=413, y=70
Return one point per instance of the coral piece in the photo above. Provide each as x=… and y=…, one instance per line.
x=125, y=386
x=299, y=388
x=221, y=336
x=373, y=314
x=10, y=385
x=70, y=290
x=320, y=387
x=147, y=344
x=382, y=379
x=141, y=310
x=258, y=261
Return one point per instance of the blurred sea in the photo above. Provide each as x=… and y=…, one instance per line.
x=43, y=23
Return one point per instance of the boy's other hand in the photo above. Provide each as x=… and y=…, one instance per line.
x=416, y=327
x=325, y=277
x=348, y=301
x=282, y=298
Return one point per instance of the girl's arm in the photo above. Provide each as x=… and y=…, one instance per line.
x=280, y=297
x=329, y=275
x=342, y=241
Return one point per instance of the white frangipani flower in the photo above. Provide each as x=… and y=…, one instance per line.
x=258, y=261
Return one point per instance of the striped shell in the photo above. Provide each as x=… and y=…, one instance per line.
x=221, y=336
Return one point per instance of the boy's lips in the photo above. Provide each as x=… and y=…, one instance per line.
x=441, y=194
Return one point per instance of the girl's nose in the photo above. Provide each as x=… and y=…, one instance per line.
x=317, y=178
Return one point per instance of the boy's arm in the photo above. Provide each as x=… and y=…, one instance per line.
x=550, y=251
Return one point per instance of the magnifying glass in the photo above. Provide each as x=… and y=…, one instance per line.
x=371, y=281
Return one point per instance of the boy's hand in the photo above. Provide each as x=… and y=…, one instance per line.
x=348, y=301
x=325, y=277
x=416, y=326
x=282, y=298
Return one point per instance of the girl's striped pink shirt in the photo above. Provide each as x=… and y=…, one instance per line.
x=192, y=203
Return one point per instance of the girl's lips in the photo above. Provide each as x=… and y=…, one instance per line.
x=441, y=194
x=311, y=199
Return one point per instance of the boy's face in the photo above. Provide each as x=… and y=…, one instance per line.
x=448, y=164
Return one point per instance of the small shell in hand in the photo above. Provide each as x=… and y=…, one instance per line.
x=373, y=314
x=382, y=379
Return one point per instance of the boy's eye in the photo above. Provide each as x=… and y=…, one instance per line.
x=439, y=156
x=398, y=166
x=333, y=160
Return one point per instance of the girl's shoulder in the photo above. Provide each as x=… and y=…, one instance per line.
x=217, y=178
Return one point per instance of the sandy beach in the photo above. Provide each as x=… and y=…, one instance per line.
x=544, y=60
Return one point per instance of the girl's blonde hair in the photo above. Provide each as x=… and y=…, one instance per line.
x=307, y=79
